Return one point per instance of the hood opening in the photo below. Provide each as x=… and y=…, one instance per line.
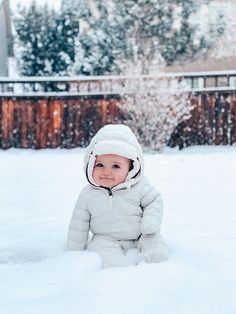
x=115, y=139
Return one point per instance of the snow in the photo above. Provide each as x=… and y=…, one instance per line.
x=115, y=77
x=56, y=4
x=38, y=192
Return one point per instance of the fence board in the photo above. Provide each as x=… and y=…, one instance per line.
x=5, y=124
x=233, y=119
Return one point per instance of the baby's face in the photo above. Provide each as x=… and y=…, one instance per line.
x=110, y=170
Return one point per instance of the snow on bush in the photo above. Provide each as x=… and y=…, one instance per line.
x=154, y=109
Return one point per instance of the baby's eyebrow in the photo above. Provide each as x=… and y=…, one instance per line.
x=116, y=163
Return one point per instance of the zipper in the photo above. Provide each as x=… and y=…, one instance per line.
x=110, y=197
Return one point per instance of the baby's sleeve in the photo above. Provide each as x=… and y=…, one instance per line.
x=152, y=206
x=79, y=226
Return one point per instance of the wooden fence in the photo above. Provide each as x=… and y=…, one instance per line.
x=53, y=122
x=49, y=113
x=212, y=121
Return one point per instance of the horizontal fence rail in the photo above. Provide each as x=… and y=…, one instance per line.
x=49, y=112
x=111, y=85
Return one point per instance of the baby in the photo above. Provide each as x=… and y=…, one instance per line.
x=119, y=206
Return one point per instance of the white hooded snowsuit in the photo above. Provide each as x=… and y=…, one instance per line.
x=127, y=216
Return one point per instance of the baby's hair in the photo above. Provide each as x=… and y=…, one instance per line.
x=131, y=164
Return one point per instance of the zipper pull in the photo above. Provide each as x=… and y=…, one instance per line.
x=110, y=197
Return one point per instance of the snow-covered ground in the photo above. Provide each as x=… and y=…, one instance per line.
x=38, y=190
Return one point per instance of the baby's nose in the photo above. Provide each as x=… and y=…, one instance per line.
x=107, y=172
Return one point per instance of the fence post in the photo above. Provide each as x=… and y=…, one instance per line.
x=104, y=111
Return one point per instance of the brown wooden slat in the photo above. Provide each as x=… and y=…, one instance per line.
x=16, y=124
x=56, y=122
x=30, y=124
x=103, y=105
x=24, y=124
x=10, y=121
x=70, y=127
x=77, y=122
x=42, y=123
x=233, y=119
x=5, y=123
x=1, y=141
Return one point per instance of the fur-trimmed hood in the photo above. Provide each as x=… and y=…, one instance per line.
x=115, y=139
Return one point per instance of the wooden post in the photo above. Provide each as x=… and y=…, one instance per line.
x=23, y=124
x=103, y=105
x=5, y=138
x=233, y=119
x=41, y=124
x=56, y=122
x=30, y=124
x=77, y=122
x=11, y=105
x=211, y=109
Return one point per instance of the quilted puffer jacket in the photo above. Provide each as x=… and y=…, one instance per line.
x=123, y=212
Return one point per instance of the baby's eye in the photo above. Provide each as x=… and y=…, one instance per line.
x=99, y=165
x=115, y=166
